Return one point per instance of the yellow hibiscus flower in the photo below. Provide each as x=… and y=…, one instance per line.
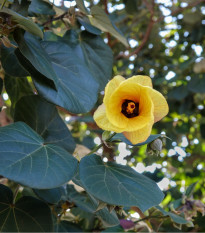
x=131, y=106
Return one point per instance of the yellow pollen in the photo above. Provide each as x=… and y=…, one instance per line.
x=130, y=107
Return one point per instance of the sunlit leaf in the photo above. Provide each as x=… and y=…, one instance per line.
x=100, y=19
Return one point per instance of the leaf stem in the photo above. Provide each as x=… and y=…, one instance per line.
x=99, y=146
x=150, y=217
x=2, y=5
x=16, y=193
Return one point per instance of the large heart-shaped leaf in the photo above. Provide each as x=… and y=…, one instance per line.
x=76, y=88
x=52, y=196
x=43, y=117
x=96, y=55
x=22, y=22
x=26, y=159
x=28, y=214
x=118, y=185
x=92, y=50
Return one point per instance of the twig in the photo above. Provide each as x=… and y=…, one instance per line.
x=179, y=10
x=147, y=33
x=151, y=24
x=60, y=17
x=143, y=217
x=151, y=217
x=99, y=146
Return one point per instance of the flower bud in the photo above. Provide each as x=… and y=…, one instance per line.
x=156, y=145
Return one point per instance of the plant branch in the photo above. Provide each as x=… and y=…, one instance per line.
x=99, y=146
x=60, y=17
x=151, y=217
x=143, y=217
x=147, y=33
x=151, y=24
x=179, y=10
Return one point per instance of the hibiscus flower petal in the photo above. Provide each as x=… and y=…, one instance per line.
x=137, y=93
x=140, y=135
x=161, y=107
x=102, y=121
x=141, y=79
x=112, y=86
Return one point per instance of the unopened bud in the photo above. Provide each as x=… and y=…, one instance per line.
x=105, y=135
x=156, y=145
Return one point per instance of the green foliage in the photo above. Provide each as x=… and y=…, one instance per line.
x=36, y=214
x=43, y=117
x=55, y=64
x=33, y=162
x=99, y=180
x=21, y=22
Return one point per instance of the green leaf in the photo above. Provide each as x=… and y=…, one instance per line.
x=100, y=19
x=84, y=21
x=23, y=22
x=89, y=204
x=81, y=6
x=190, y=189
x=178, y=93
x=175, y=218
x=43, y=117
x=131, y=6
x=131, y=188
x=197, y=84
x=202, y=130
x=40, y=7
x=28, y=214
x=31, y=49
x=96, y=55
x=76, y=88
x=11, y=64
x=16, y=88
x=122, y=138
x=52, y=196
x=26, y=159
x=65, y=226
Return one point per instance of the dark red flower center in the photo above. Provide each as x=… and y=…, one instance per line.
x=130, y=108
